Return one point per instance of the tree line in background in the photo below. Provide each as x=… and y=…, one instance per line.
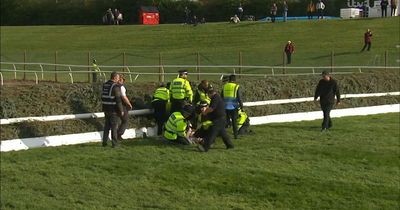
x=87, y=12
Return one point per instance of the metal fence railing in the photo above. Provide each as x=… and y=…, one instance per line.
x=72, y=73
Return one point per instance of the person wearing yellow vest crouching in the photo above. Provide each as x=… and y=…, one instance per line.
x=176, y=128
x=243, y=123
x=181, y=92
x=202, y=122
x=159, y=103
x=232, y=100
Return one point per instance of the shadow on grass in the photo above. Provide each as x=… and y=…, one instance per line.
x=336, y=54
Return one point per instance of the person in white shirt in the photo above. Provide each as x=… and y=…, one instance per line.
x=235, y=19
x=127, y=106
x=320, y=6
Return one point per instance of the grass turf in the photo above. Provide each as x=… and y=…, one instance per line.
x=216, y=43
x=283, y=166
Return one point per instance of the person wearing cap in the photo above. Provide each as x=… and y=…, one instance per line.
x=112, y=107
x=159, y=103
x=216, y=114
x=181, y=91
x=231, y=96
x=289, y=50
x=96, y=70
x=175, y=130
x=326, y=90
x=201, y=93
x=126, y=105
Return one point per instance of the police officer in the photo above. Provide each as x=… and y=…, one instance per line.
x=216, y=113
x=201, y=93
x=96, y=70
x=112, y=107
x=232, y=100
x=126, y=105
x=175, y=130
x=326, y=90
x=159, y=103
x=181, y=92
x=243, y=122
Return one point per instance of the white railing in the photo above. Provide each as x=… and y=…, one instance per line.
x=149, y=111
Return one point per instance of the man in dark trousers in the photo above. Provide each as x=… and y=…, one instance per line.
x=215, y=113
x=384, y=4
x=367, y=40
x=159, y=103
x=231, y=96
x=289, y=50
x=112, y=107
x=326, y=90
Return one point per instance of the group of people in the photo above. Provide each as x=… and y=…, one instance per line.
x=184, y=117
x=116, y=105
x=384, y=4
x=319, y=7
x=112, y=17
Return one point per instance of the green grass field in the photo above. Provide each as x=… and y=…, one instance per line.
x=283, y=166
x=216, y=43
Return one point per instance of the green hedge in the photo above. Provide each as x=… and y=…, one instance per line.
x=61, y=98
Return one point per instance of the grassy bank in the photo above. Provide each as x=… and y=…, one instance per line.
x=282, y=166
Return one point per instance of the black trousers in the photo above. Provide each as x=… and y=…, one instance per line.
x=384, y=11
x=245, y=127
x=177, y=105
x=111, y=123
x=160, y=114
x=288, y=58
x=231, y=117
x=326, y=109
x=124, y=122
x=320, y=13
x=365, y=45
x=94, y=77
x=217, y=129
x=392, y=11
x=273, y=18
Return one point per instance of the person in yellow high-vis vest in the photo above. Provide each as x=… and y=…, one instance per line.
x=232, y=100
x=202, y=122
x=159, y=103
x=243, y=123
x=175, y=130
x=201, y=93
x=181, y=92
x=96, y=70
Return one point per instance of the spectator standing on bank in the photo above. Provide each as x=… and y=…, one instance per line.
x=384, y=4
x=289, y=50
x=393, y=7
x=367, y=40
x=240, y=11
x=110, y=17
x=126, y=105
x=285, y=11
x=112, y=108
x=310, y=10
x=320, y=9
x=274, y=9
x=116, y=14
x=187, y=15
x=326, y=90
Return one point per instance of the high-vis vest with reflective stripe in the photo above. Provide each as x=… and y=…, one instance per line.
x=201, y=123
x=96, y=68
x=107, y=99
x=175, y=126
x=230, y=96
x=181, y=89
x=203, y=97
x=242, y=116
x=161, y=93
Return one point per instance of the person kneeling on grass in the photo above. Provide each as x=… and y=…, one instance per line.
x=175, y=130
x=243, y=123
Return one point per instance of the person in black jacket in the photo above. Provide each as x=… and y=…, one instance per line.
x=326, y=90
x=112, y=107
x=215, y=113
